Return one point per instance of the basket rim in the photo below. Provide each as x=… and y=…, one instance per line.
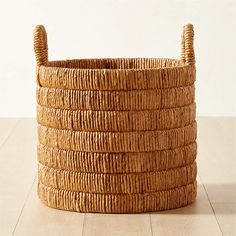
x=168, y=68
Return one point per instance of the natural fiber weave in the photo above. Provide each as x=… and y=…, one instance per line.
x=116, y=135
x=110, y=162
x=143, y=141
x=99, y=74
x=116, y=100
x=117, y=203
x=117, y=183
x=90, y=120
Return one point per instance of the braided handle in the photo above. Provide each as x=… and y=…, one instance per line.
x=40, y=45
x=187, y=49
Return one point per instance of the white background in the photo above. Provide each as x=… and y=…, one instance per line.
x=119, y=28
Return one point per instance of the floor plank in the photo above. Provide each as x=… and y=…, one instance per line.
x=226, y=216
x=6, y=127
x=195, y=219
x=217, y=161
x=17, y=163
x=38, y=219
x=117, y=224
x=217, y=150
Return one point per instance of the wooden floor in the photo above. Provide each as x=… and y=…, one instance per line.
x=213, y=213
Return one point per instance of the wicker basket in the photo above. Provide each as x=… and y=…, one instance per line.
x=116, y=135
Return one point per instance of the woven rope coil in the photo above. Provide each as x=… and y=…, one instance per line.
x=117, y=203
x=90, y=120
x=143, y=141
x=117, y=183
x=115, y=100
x=116, y=135
x=126, y=162
x=161, y=75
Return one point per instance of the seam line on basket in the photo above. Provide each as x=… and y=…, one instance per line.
x=153, y=109
x=121, y=132
x=114, y=131
x=122, y=173
x=114, y=91
x=187, y=144
x=91, y=110
x=141, y=193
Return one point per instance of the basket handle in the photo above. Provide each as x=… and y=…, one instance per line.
x=187, y=48
x=40, y=45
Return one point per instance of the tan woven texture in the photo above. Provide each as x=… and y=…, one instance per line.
x=116, y=135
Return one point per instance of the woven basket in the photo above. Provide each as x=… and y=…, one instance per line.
x=116, y=135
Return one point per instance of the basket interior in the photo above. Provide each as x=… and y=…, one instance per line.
x=117, y=63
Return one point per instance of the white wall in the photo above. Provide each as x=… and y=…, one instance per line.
x=119, y=28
